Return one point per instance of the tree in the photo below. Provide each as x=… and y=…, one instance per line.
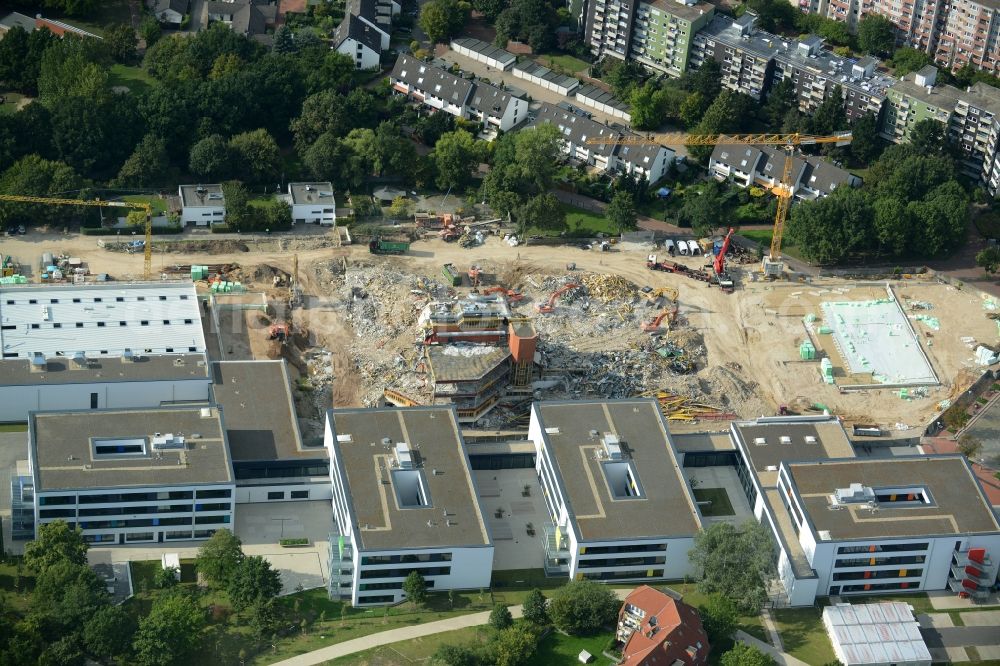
x=433, y=126
x=171, y=631
x=621, y=211
x=583, y=607
x=70, y=593
x=456, y=155
x=274, y=216
x=210, y=158
x=780, y=100
x=534, y=608
x=542, y=211
x=742, y=654
x=442, y=19
x=221, y=554
x=834, y=32
x=263, y=617
x=66, y=651
x=693, y=108
x=514, y=646
x=400, y=207
x=458, y=655
x=252, y=582
x=625, y=76
x=725, y=114
x=147, y=166
x=415, y=588
x=876, y=35
x=970, y=446
x=927, y=137
x=56, y=542
x=531, y=21
x=906, y=60
x=988, y=259
x=165, y=578
x=830, y=116
x=707, y=210
x=257, y=154
x=284, y=41
x=648, y=107
x=150, y=30
x=865, y=142
x=34, y=176
x=737, y=563
x=489, y=8
x=107, y=634
x=121, y=41
x=332, y=159
x=718, y=617
x=772, y=14
x=500, y=617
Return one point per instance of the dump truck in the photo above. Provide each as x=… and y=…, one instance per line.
x=379, y=246
x=451, y=275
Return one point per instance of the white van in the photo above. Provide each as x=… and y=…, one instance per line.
x=682, y=247
x=693, y=248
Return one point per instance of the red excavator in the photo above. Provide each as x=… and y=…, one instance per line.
x=550, y=305
x=654, y=325
x=511, y=295
x=719, y=265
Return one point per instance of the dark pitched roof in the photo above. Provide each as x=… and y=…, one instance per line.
x=432, y=80
x=354, y=28
x=488, y=99
x=248, y=18
x=825, y=177
x=576, y=129
x=179, y=6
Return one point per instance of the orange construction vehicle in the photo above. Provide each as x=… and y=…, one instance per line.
x=654, y=325
x=474, y=274
x=550, y=305
x=511, y=295
x=280, y=332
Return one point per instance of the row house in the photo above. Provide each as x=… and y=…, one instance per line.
x=440, y=89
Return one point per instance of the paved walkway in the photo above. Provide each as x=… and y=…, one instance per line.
x=772, y=629
x=781, y=657
x=408, y=633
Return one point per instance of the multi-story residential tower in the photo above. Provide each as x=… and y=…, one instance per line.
x=914, y=98
x=608, y=27
x=664, y=31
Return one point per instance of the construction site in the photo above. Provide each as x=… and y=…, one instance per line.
x=491, y=326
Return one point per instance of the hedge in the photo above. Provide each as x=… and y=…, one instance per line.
x=291, y=543
x=104, y=231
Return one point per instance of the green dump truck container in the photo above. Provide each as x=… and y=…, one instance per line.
x=452, y=276
x=379, y=246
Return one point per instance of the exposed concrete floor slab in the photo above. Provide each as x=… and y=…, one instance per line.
x=513, y=548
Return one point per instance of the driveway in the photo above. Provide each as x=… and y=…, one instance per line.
x=946, y=637
x=199, y=16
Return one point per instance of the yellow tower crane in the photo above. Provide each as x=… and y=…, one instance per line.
x=134, y=205
x=772, y=265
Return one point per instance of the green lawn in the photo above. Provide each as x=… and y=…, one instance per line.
x=584, y=222
x=159, y=205
x=13, y=427
x=720, y=504
x=564, y=63
x=803, y=634
x=416, y=650
x=763, y=236
x=135, y=79
x=10, y=106
x=557, y=649
x=105, y=13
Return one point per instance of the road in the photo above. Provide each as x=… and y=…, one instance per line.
x=960, y=636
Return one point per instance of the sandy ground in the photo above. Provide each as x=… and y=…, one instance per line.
x=753, y=333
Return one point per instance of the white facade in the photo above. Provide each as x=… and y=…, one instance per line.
x=363, y=56
x=284, y=492
x=653, y=167
x=619, y=559
x=313, y=203
x=484, y=52
x=16, y=401
x=202, y=205
x=139, y=515
x=374, y=576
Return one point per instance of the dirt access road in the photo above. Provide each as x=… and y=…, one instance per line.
x=754, y=332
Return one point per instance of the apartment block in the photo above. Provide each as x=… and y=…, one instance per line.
x=975, y=130
x=608, y=27
x=914, y=98
x=752, y=61
x=404, y=499
x=131, y=476
x=664, y=31
x=620, y=507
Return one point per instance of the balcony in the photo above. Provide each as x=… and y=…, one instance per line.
x=557, y=556
x=961, y=558
x=960, y=573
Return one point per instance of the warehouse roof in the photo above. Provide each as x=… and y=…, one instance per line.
x=173, y=367
x=364, y=444
x=256, y=401
x=769, y=441
x=100, y=320
x=607, y=501
x=911, y=496
x=77, y=450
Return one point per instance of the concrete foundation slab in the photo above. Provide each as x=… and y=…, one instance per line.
x=875, y=338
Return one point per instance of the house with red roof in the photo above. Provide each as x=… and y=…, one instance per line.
x=656, y=628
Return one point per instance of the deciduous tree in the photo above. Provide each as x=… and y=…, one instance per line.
x=107, y=634
x=514, y=646
x=171, y=631
x=534, y=608
x=542, y=211
x=737, y=562
x=876, y=35
x=221, y=554
x=583, y=607
x=121, y=41
x=500, y=617
x=621, y=212
x=742, y=654
x=988, y=259
x=147, y=166
x=253, y=582
x=718, y=617
x=906, y=60
x=456, y=155
x=865, y=142
x=257, y=155
x=210, y=158
x=56, y=542
x=442, y=19
x=415, y=588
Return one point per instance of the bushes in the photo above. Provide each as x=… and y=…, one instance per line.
x=104, y=231
x=291, y=543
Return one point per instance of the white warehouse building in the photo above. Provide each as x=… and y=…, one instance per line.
x=130, y=476
x=404, y=499
x=620, y=506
